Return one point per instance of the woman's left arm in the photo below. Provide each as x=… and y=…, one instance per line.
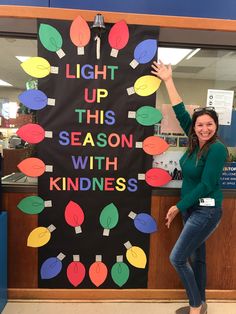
x=171, y=214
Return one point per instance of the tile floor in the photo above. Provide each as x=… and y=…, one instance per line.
x=46, y=307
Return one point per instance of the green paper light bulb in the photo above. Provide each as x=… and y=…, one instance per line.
x=148, y=115
x=109, y=218
x=120, y=273
x=51, y=39
x=31, y=205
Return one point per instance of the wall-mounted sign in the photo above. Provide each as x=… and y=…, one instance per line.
x=222, y=101
x=228, y=178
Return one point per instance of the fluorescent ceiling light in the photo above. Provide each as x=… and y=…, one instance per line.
x=22, y=58
x=172, y=55
x=193, y=53
x=3, y=83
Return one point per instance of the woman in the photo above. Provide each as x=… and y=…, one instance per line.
x=201, y=197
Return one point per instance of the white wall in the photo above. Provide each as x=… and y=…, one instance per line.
x=10, y=93
x=193, y=92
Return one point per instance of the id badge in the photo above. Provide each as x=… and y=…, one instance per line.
x=207, y=201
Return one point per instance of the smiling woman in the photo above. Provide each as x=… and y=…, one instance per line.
x=206, y=126
x=211, y=67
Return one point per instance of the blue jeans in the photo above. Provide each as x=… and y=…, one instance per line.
x=189, y=253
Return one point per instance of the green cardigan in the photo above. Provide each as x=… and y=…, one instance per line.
x=200, y=177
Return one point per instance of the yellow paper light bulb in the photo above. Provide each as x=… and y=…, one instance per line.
x=36, y=67
x=135, y=256
x=40, y=236
x=146, y=85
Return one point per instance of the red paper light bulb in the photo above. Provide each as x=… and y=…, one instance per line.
x=118, y=36
x=75, y=272
x=80, y=33
x=98, y=273
x=32, y=167
x=31, y=133
x=74, y=216
x=157, y=177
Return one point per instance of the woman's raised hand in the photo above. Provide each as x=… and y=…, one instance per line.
x=161, y=70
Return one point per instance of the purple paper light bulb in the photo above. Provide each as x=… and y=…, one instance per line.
x=33, y=99
x=51, y=267
x=144, y=52
x=144, y=222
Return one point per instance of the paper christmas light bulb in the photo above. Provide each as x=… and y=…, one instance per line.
x=135, y=255
x=34, y=167
x=144, y=222
x=80, y=34
x=120, y=271
x=35, y=99
x=51, y=267
x=75, y=271
x=144, y=52
x=74, y=216
x=153, y=145
x=40, y=236
x=145, y=86
x=33, y=133
x=33, y=205
x=155, y=177
x=98, y=272
x=109, y=218
x=147, y=115
x=51, y=39
x=118, y=37
x=38, y=67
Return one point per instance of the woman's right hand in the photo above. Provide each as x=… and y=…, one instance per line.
x=164, y=72
x=161, y=70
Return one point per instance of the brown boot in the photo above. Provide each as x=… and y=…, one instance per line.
x=186, y=309
x=183, y=310
x=203, y=308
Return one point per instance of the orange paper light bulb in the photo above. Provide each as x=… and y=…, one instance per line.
x=155, y=145
x=98, y=273
x=80, y=33
x=32, y=167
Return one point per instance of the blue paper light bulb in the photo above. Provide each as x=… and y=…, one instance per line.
x=51, y=267
x=144, y=52
x=144, y=222
x=33, y=99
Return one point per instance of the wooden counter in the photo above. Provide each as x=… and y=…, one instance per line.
x=12, y=157
x=163, y=282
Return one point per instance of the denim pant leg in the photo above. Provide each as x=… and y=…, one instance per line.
x=200, y=224
x=198, y=262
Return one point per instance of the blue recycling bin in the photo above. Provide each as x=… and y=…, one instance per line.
x=3, y=259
